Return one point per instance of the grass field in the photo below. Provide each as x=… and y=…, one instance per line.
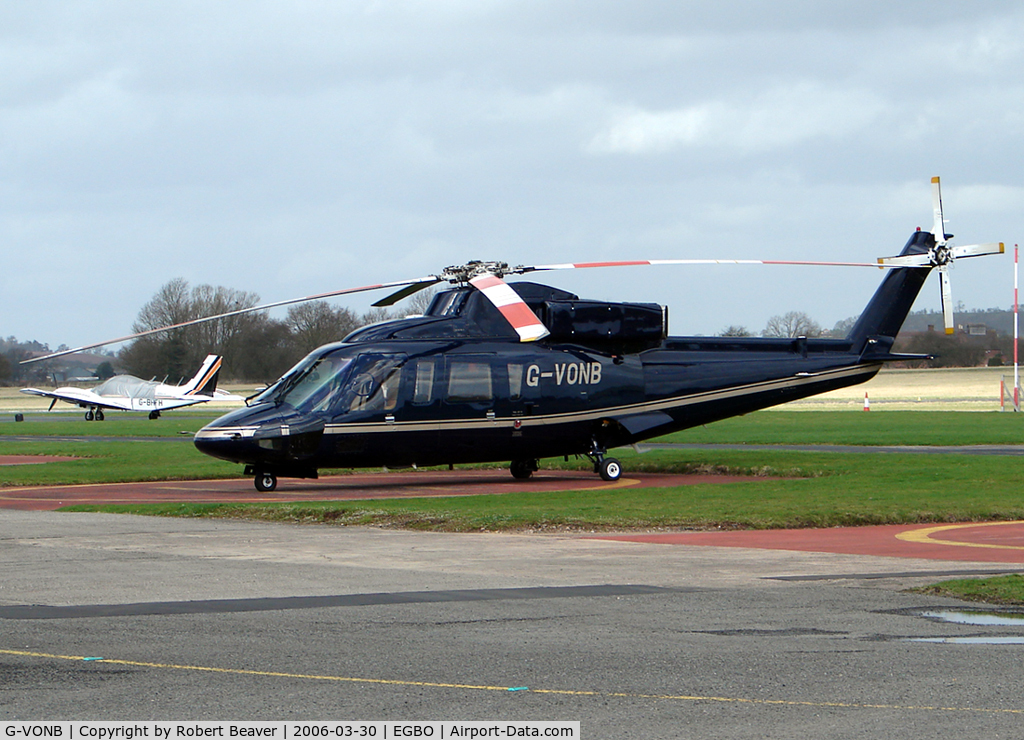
x=953, y=389
x=786, y=489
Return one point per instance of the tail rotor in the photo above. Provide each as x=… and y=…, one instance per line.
x=941, y=255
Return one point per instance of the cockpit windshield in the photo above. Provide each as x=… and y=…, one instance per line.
x=311, y=382
x=338, y=382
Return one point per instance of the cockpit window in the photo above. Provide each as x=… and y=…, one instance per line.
x=338, y=382
x=317, y=387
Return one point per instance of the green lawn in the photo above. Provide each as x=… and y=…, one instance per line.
x=996, y=590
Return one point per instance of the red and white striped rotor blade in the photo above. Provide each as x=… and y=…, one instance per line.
x=632, y=263
x=262, y=307
x=512, y=307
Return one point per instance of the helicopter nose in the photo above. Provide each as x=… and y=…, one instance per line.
x=232, y=443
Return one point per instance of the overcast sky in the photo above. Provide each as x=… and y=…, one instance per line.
x=294, y=148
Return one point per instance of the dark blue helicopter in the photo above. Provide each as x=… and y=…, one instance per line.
x=498, y=371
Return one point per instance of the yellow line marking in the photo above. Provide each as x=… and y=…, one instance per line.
x=924, y=536
x=484, y=687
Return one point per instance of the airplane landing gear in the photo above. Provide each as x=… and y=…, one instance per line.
x=608, y=468
x=522, y=469
x=99, y=415
x=265, y=482
x=154, y=414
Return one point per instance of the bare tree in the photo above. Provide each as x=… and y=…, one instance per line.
x=842, y=328
x=736, y=331
x=177, y=353
x=316, y=323
x=792, y=324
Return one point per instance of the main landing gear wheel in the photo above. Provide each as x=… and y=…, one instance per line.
x=89, y=415
x=154, y=414
x=609, y=469
x=266, y=482
x=522, y=469
x=99, y=415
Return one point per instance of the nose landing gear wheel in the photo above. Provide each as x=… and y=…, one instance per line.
x=610, y=469
x=265, y=482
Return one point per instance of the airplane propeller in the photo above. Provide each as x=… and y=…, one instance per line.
x=487, y=277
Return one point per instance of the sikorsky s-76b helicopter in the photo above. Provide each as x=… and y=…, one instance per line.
x=498, y=371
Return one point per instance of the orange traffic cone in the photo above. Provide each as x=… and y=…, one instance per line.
x=867, y=403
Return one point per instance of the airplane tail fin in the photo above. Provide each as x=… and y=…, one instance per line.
x=204, y=382
x=877, y=327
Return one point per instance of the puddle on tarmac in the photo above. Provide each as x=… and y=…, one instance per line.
x=976, y=618
x=980, y=618
x=978, y=640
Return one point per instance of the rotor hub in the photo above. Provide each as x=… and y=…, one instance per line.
x=462, y=274
x=941, y=256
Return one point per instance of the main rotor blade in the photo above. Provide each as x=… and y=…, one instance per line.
x=938, y=225
x=405, y=292
x=238, y=312
x=512, y=307
x=947, y=299
x=631, y=263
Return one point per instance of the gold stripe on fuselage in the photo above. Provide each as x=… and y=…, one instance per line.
x=601, y=413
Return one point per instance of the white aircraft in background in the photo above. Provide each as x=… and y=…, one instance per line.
x=128, y=393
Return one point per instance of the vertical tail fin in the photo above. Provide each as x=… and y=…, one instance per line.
x=878, y=325
x=204, y=382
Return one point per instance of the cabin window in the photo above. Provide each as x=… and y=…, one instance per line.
x=469, y=381
x=375, y=386
x=423, y=391
x=515, y=381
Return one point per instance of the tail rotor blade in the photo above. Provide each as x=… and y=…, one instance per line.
x=938, y=225
x=947, y=299
x=978, y=250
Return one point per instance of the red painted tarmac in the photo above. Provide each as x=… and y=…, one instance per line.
x=336, y=488
x=32, y=459
x=995, y=542
x=989, y=542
